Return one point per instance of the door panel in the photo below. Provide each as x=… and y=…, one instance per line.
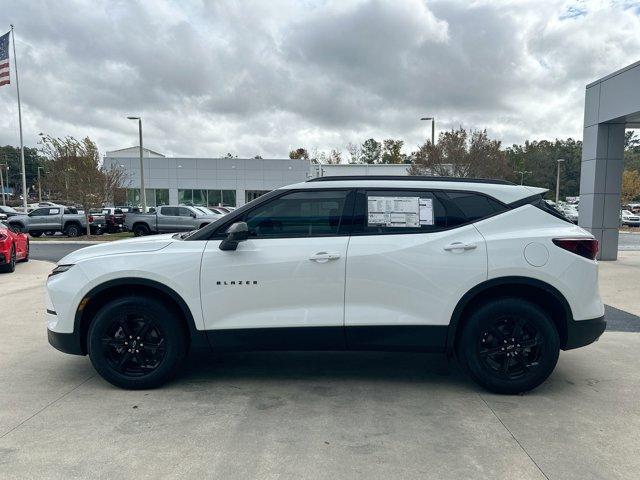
x=411, y=279
x=273, y=283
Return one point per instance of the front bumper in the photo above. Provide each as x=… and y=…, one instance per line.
x=65, y=342
x=584, y=332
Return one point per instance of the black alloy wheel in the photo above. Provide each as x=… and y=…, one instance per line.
x=134, y=345
x=136, y=342
x=11, y=265
x=509, y=345
x=73, y=230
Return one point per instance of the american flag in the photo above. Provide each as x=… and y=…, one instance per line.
x=4, y=59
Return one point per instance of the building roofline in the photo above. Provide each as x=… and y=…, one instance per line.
x=611, y=75
x=133, y=146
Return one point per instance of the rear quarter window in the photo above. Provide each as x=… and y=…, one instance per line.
x=466, y=207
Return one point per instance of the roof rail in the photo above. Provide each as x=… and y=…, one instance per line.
x=419, y=178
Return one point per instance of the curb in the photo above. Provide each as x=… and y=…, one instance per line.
x=68, y=242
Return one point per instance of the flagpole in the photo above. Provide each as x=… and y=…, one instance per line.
x=25, y=194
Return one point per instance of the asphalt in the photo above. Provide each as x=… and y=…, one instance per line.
x=308, y=415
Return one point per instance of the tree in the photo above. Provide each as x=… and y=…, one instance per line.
x=229, y=155
x=540, y=158
x=334, y=158
x=459, y=153
x=630, y=186
x=392, y=152
x=371, y=151
x=355, y=153
x=11, y=156
x=258, y=157
x=74, y=172
x=299, y=154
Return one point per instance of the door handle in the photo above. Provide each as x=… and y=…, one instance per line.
x=460, y=246
x=324, y=257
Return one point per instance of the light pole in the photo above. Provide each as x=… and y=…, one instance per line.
x=143, y=194
x=39, y=185
x=560, y=160
x=4, y=201
x=522, y=174
x=433, y=128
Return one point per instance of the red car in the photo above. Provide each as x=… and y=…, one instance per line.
x=14, y=245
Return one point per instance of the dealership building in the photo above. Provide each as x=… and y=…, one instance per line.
x=220, y=181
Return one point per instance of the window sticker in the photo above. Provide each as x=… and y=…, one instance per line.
x=426, y=211
x=402, y=212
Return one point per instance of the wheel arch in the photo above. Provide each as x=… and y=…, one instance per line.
x=534, y=290
x=68, y=223
x=111, y=289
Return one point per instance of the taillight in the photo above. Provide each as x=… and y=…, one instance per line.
x=90, y=219
x=585, y=247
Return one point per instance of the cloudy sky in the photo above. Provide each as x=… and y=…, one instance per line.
x=263, y=77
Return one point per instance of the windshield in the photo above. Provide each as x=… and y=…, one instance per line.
x=9, y=210
x=207, y=211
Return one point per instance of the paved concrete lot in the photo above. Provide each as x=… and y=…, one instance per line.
x=312, y=415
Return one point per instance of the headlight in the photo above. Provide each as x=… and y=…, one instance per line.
x=60, y=269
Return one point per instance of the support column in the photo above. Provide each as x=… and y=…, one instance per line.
x=600, y=184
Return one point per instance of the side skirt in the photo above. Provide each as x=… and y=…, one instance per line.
x=407, y=338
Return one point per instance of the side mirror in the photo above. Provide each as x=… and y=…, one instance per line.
x=193, y=215
x=236, y=233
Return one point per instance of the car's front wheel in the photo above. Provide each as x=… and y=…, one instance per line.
x=509, y=345
x=140, y=230
x=136, y=343
x=10, y=266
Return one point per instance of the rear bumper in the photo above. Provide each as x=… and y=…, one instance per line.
x=584, y=332
x=65, y=342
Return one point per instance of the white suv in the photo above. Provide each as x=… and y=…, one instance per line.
x=483, y=269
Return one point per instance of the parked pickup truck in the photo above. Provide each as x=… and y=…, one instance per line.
x=169, y=219
x=57, y=218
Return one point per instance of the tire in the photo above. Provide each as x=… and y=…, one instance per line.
x=140, y=230
x=26, y=258
x=11, y=266
x=36, y=233
x=121, y=321
x=73, y=230
x=492, y=348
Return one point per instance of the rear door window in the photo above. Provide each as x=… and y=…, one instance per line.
x=399, y=211
x=169, y=211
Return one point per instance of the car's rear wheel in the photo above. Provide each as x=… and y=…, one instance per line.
x=73, y=230
x=36, y=233
x=509, y=345
x=140, y=230
x=11, y=265
x=26, y=253
x=136, y=343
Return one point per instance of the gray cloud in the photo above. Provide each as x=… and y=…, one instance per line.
x=262, y=77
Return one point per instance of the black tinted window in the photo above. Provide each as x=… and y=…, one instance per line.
x=184, y=212
x=298, y=214
x=169, y=211
x=39, y=212
x=466, y=207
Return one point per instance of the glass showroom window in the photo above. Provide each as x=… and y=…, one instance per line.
x=133, y=196
x=162, y=196
x=185, y=197
x=199, y=197
x=221, y=197
x=253, y=194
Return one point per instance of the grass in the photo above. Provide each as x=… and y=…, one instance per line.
x=107, y=237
